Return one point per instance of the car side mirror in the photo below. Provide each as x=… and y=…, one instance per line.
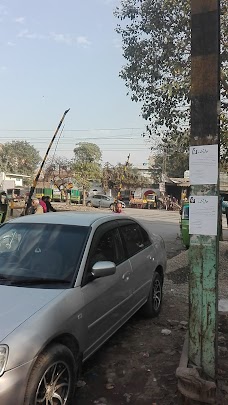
x=103, y=269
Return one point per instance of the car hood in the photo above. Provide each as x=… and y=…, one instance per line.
x=17, y=304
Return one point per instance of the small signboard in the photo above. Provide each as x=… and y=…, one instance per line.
x=203, y=164
x=162, y=187
x=203, y=215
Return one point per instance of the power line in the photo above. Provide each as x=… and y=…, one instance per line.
x=109, y=150
x=80, y=139
x=73, y=130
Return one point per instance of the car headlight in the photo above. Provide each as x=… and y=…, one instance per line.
x=4, y=351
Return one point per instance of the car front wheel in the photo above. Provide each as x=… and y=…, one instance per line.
x=153, y=305
x=53, y=378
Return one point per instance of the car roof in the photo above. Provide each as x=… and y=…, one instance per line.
x=69, y=218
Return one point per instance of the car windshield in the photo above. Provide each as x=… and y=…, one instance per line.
x=41, y=255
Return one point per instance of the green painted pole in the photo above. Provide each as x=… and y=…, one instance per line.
x=203, y=252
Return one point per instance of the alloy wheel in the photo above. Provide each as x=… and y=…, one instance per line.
x=157, y=294
x=54, y=386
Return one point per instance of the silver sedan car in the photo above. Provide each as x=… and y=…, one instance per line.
x=102, y=201
x=68, y=281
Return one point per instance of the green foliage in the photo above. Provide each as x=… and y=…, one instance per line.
x=87, y=166
x=156, y=46
x=173, y=164
x=129, y=178
x=171, y=156
x=19, y=157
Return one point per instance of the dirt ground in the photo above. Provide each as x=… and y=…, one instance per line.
x=137, y=365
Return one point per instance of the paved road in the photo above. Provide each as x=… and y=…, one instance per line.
x=163, y=223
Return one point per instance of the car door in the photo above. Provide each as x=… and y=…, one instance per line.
x=141, y=254
x=106, y=201
x=104, y=297
x=96, y=199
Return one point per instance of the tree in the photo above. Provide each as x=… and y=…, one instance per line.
x=87, y=166
x=19, y=157
x=156, y=46
x=171, y=156
x=113, y=175
x=59, y=171
x=170, y=164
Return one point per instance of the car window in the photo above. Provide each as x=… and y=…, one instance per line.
x=96, y=196
x=104, y=197
x=108, y=247
x=145, y=236
x=44, y=251
x=133, y=238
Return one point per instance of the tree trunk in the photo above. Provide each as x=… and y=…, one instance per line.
x=84, y=196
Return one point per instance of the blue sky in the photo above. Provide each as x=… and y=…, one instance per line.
x=65, y=54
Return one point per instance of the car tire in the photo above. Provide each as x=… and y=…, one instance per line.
x=89, y=204
x=111, y=207
x=55, y=364
x=153, y=305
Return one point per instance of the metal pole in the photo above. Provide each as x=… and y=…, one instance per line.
x=32, y=189
x=204, y=140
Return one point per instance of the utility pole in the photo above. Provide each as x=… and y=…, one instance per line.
x=204, y=178
x=32, y=189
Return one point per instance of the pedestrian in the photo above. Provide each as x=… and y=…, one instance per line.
x=226, y=212
x=37, y=208
x=47, y=201
x=118, y=208
x=43, y=205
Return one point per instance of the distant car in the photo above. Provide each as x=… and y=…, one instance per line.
x=103, y=201
x=68, y=281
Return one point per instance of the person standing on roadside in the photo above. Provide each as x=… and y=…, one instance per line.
x=226, y=211
x=43, y=205
x=118, y=208
x=37, y=208
x=47, y=201
x=225, y=206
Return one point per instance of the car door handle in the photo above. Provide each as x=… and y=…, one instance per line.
x=126, y=276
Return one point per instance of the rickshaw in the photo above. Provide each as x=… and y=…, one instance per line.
x=184, y=224
x=151, y=201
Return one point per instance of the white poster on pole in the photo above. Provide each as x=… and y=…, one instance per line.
x=203, y=215
x=203, y=164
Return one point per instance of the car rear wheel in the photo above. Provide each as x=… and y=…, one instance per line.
x=153, y=305
x=53, y=378
x=89, y=204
